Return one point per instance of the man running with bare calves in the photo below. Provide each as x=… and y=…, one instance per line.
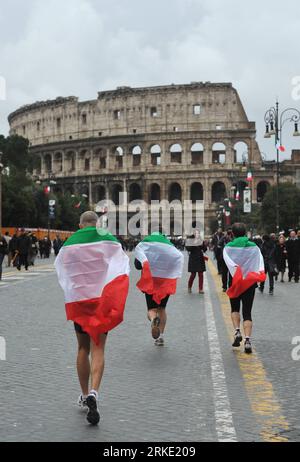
x=93, y=271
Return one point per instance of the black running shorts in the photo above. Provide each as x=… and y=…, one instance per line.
x=79, y=330
x=152, y=305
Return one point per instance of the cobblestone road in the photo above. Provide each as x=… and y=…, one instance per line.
x=196, y=388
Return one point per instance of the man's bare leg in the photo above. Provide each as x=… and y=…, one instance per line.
x=163, y=319
x=154, y=317
x=83, y=362
x=97, y=361
x=97, y=369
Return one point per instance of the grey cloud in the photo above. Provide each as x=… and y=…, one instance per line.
x=82, y=46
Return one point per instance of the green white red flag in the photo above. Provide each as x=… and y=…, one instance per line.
x=162, y=265
x=245, y=263
x=93, y=271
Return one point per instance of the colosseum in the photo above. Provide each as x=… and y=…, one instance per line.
x=187, y=142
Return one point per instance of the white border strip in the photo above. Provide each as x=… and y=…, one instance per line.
x=223, y=415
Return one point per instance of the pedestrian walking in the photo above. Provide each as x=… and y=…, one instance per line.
x=93, y=271
x=161, y=264
x=196, y=265
x=3, y=252
x=47, y=247
x=293, y=255
x=226, y=276
x=281, y=256
x=246, y=265
x=23, y=249
x=33, y=251
x=217, y=250
x=268, y=250
x=57, y=245
x=13, y=250
x=7, y=237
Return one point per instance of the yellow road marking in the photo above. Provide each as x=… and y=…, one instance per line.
x=264, y=403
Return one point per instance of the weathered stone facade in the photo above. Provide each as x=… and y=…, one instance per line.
x=165, y=142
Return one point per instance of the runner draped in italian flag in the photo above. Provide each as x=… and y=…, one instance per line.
x=162, y=265
x=245, y=263
x=93, y=272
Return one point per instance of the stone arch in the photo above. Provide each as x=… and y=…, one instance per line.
x=100, y=193
x=118, y=152
x=155, y=151
x=176, y=153
x=241, y=152
x=261, y=190
x=135, y=192
x=70, y=161
x=197, y=150
x=154, y=192
x=48, y=163
x=175, y=192
x=196, y=192
x=58, y=162
x=218, y=191
x=38, y=165
x=115, y=193
x=100, y=159
x=218, y=153
x=136, y=152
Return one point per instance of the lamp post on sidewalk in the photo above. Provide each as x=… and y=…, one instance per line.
x=275, y=121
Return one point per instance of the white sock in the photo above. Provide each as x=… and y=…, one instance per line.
x=95, y=393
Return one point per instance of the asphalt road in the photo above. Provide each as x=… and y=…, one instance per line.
x=196, y=388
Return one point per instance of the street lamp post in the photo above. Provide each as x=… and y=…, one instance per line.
x=275, y=121
x=1, y=169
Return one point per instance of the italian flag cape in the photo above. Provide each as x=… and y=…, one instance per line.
x=245, y=263
x=162, y=265
x=93, y=272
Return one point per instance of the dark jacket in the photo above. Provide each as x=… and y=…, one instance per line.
x=293, y=250
x=281, y=256
x=3, y=246
x=268, y=252
x=24, y=244
x=196, y=257
x=13, y=244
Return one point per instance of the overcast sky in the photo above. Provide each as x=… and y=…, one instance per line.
x=78, y=47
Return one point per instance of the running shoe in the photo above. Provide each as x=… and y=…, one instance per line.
x=237, y=339
x=155, y=332
x=159, y=342
x=248, y=347
x=93, y=415
x=81, y=403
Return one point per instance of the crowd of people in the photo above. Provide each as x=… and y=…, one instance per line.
x=281, y=255
x=24, y=247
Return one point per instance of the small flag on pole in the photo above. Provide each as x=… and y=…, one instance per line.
x=77, y=206
x=280, y=147
x=249, y=177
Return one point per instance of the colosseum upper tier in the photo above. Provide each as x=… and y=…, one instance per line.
x=191, y=141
